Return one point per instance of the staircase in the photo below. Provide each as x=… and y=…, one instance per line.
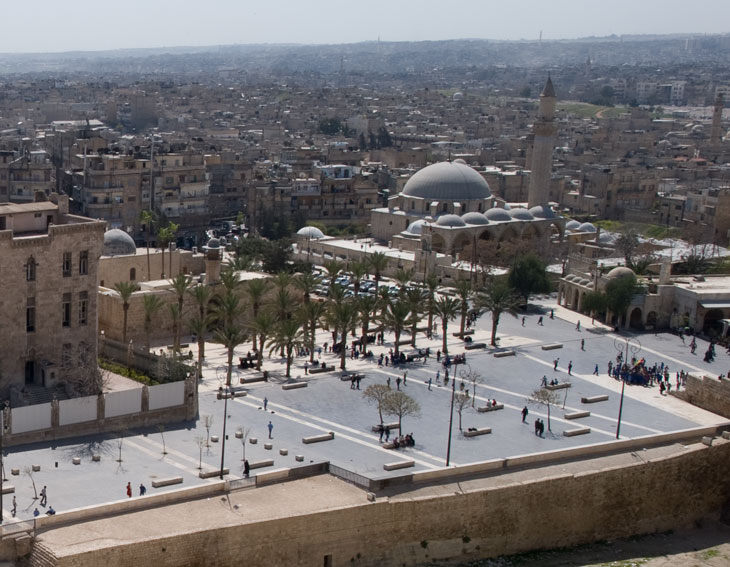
x=33, y=395
x=41, y=556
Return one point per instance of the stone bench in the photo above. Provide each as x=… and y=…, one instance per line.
x=261, y=464
x=211, y=474
x=230, y=395
x=169, y=481
x=483, y=409
x=464, y=334
x=594, y=399
x=398, y=465
x=8, y=488
x=404, y=342
x=319, y=438
x=294, y=385
x=320, y=370
x=576, y=431
x=577, y=415
x=348, y=377
x=251, y=379
x=560, y=386
x=391, y=426
x=552, y=346
x=478, y=431
x=15, y=472
x=503, y=353
x=474, y=346
x=96, y=458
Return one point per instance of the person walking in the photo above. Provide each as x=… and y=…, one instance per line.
x=405, y=375
x=388, y=382
x=429, y=384
x=595, y=370
x=523, y=321
x=271, y=428
x=142, y=489
x=582, y=344
x=570, y=368
x=382, y=432
x=266, y=402
x=397, y=383
x=537, y=426
x=525, y=411
x=543, y=382
x=539, y=321
x=438, y=375
x=44, y=496
x=555, y=363
x=577, y=326
x=129, y=490
x=15, y=507
x=552, y=313
x=387, y=433
x=246, y=468
x=306, y=368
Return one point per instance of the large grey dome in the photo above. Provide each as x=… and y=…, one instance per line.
x=118, y=243
x=311, y=232
x=447, y=181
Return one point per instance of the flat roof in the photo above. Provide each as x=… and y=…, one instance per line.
x=15, y=208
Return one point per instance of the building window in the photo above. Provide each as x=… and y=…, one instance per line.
x=83, y=307
x=66, y=264
x=66, y=309
x=132, y=274
x=30, y=269
x=30, y=315
x=84, y=263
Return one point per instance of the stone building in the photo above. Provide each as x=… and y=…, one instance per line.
x=49, y=262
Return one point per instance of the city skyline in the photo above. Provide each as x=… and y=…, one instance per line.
x=58, y=27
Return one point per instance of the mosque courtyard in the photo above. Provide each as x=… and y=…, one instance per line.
x=329, y=404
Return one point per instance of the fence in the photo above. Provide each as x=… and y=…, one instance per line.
x=349, y=476
x=241, y=483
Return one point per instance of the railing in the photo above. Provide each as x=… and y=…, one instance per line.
x=241, y=483
x=14, y=528
x=349, y=476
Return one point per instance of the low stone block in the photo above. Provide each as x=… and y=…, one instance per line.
x=283, y=452
x=577, y=415
x=8, y=488
x=707, y=441
x=560, y=386
x=96, y=458
x=261, y=464
x=594, y=399
x=214, y=439
x=169, y=481
x=15, y=472
x=250, y=379
x=479, y=431
x=399, y=465
x=552, y=346
x=294, y=385
x=239, y=434
x=503, y=353
x=253, y=440
x=484, y=409
x=36, y=468
x=474, y=346
x=726, y=434
x=211, y=474
x=299, y=458
x=319, y=438
x=268, y=446
x=76, y=460
x=465, y=333
x=320, y=370
x=576, y=431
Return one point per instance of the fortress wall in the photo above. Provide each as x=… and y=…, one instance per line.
x=562, y=510
x=707, y=393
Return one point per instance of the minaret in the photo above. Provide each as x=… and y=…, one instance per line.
x=542, y=150
x=716, y=132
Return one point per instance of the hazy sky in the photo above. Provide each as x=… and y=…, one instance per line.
x=55, y=25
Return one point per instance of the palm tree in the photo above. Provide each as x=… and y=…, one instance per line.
x=255, y=290
x=333, y=269
x=358, y=269
x=180, y=285
x=498, y=298
x=464, y=291
x=342, y=317
x=200, y=325
x=148, y=217
x=282, y=280
x=125, y=291
x=415, y=298
x=395, y=317
x=262, y=325
x=445, y=309
x=230, y=280
x=176, y=316
x=230, y=336
x=403, y=277
x=288, y=336
x=202, y=294
x=432, y=284
x=366, y=305
x=165, y=236
x=306, y=283
x=242, y=263
x=151, y=304
x=228, y=309
x=378, y=264
x=312, y=313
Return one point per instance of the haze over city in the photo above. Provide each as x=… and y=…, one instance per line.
x=52, y=26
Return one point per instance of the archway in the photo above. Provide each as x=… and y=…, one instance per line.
x=712, y=325
x=651, y=319
x=438, y=243
x=635, y=319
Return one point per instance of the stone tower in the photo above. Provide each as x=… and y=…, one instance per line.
x=212, y=262
x=542, y=150
x=716, y=132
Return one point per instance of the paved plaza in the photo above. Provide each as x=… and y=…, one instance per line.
x=330, y=404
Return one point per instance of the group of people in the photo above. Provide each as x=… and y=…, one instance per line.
x=539, y=427
x=403, y=441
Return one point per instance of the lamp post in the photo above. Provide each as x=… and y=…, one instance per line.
x=451, y=412
x=633, y=345
x=225, y=416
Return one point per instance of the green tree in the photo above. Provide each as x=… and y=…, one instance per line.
x=546, y=398
x=594, y=302
x=366, y=306
x=395, y=318
x=165, y=236
x=528, y=275
x=358, y=270
x=306, y=283
x=125, y=291
x=312, y=313
x=403, y=277
x=498, y=298
x=330, y=126
x=400, y=404
x=180, y=285
x=333, y=269
x=342, y=317
x=445, y=308
x=432, y=284
x=230, y=336
x=287, y=337
x=619, y=294
x=378, y=264
x=256, y=291
x=202, y=295
x=262, y=325
x=152, y=305
x=464, y=293
x=415, y=298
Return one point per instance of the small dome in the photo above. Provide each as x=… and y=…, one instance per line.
x=570, y=278
x=497, y=215
x=572, y=225
x=213, y=244
x=620, y=272
x=450, y=220
x=474, y=218
x=457, y=96
x=583, y=281
x=540, y=212
x=606, y=238
x=521, y=214
x=311, y=232
x=416, y=227
x=587, y=227
x=460, y=160
x=447, y=181
x=118, y=243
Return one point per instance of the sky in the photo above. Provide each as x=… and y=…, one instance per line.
x=54, y=25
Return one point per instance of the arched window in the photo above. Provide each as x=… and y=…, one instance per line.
x=132, y=274
x=30, y=269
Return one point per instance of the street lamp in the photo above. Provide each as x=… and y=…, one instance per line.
x=225, y=416
x=456, y=361
x=633, y=345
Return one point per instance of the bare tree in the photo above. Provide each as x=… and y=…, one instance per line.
x=546, y=398
x=475, y=378
x=461, y=401
x=82, y=372
x=400, y=405
x=120, y=443
x=377, y=394
x=243, y=433
x=28, y=471
x=161, y=430
x=207, y=423
x=200, y=442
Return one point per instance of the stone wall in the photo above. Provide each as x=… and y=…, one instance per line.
x=707, y=393
x=507, y=515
